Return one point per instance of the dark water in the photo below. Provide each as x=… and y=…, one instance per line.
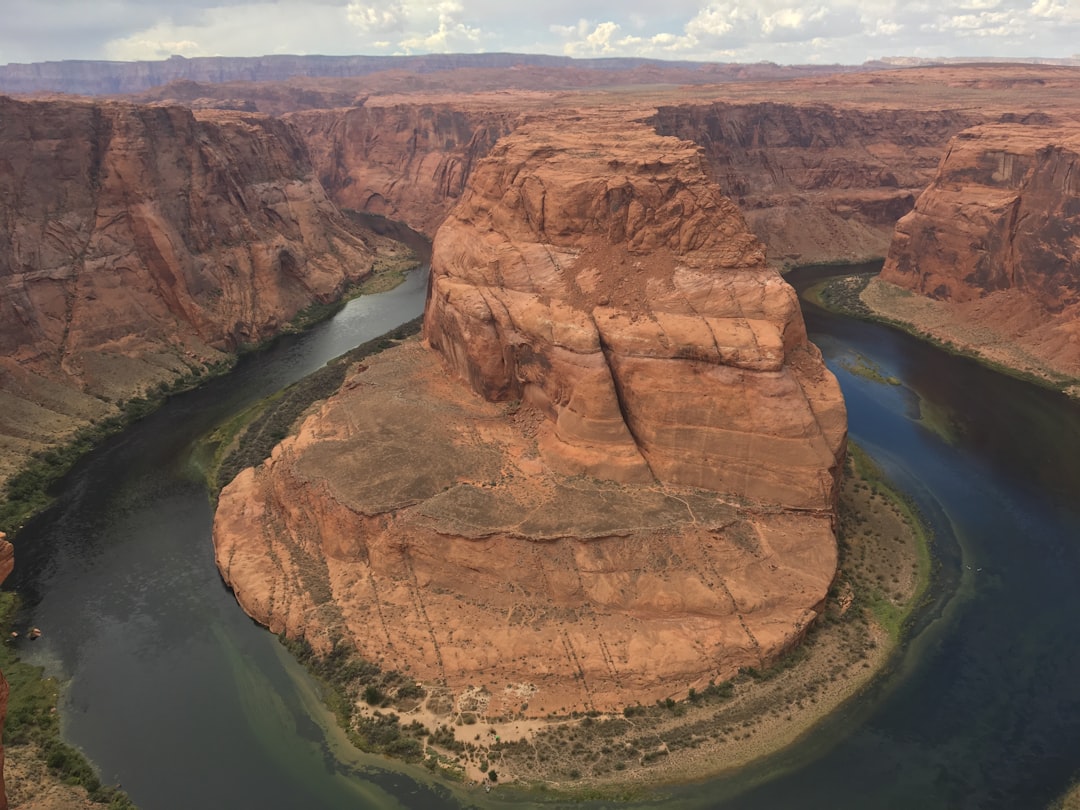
x=174, y=693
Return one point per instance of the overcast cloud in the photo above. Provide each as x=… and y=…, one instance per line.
x=785, y=31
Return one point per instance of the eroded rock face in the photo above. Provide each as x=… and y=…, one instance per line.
x=818, y=181
x=997, y=235
x=596, y=273
x=137, y=243
x=623, y=487
x=409, y=162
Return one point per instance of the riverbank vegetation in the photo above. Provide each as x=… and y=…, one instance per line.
x=32, y=741
x=387, y=272
x=884, y=568
x=247, y=439
x=27, y=492
x=864, y=296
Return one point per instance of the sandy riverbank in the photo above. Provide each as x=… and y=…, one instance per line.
x=1019, y=344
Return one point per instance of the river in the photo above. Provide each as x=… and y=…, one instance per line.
x=175, y=694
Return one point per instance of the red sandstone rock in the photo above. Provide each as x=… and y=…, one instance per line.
x=137, y=243
x=559, y=542
x=409, y=162
x=818, y=181
x=594, y=271
x=997, y=235
x=416, y=522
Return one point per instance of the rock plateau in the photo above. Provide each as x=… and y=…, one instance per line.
x=623, y=487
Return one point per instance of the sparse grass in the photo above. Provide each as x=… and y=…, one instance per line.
x=32, y=720
x=247, y=439
x=863, y=367
x=27, y=492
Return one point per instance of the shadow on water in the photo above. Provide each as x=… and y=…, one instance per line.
x=178, y=696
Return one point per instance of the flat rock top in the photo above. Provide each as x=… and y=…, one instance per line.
x=460, y=465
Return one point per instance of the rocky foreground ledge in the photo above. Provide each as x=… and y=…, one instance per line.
x=613, y=479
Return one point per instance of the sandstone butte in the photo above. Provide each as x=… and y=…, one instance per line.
x=138, y=244
x=608, y=475
x=996, y=237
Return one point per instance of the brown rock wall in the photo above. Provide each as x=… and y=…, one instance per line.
x=996, y=237
x=596, y=273
x=137, y=243
x=459, y=555
x=409, y=162
x=818, y=181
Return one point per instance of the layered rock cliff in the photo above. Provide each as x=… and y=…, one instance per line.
x=814, y=181
x=601, y=277
x=532, y=70
x=138, y=243
x=409, y=162
x=996, y=238
x=622, y=488
x=818, y=182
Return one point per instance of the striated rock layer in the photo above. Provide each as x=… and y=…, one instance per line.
x=997, y=237
x=630, y=494
x=818, y=181
x=409, y=162
x=600, y=276
x=137, y=243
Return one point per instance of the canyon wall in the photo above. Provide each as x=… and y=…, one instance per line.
x=818, y=182
x=624, y=486
x=139, y=243
x=408, y=162
x=815, y=182
x=996, y=238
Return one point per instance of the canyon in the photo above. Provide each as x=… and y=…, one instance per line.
x=994, y=244
x=139, y=245
x=623, y=489
x=609, y=474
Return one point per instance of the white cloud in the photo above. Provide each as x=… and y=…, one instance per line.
x=447, y=33
x=788, y=31
x=376, y=19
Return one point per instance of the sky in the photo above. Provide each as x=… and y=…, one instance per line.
x=783, y=31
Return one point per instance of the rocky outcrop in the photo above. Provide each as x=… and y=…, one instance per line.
x=816, y=181
x=408, y=162
x=997, y=237
x=138, y=243
x=639, y=500
x=598, y=275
